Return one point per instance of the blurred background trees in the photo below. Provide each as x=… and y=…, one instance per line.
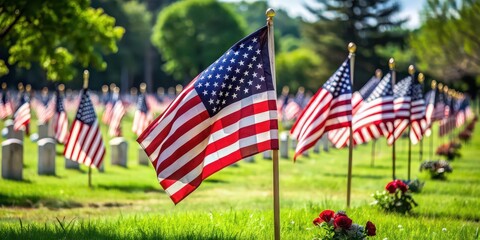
x=166, y=42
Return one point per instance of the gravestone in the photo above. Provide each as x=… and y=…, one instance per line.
x=305, y=153
x=267, y=155
x=46, y=150
x=69, y=164
x=12, y=159
x=142, y=157
x=325, y=143
x=316, y=148
x=284, y=145
x=11, y=133
x=118, y=148
x=294, y=143
x=46, y=156
x=249, y=159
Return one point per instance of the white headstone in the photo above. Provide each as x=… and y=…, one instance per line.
x=46, y=156
x=284, y=145
x=249, y=159
x=316, y=148
x=69, y=164
x=142, y=157
x=12, y=159
x=118, y=148
x=267, y=155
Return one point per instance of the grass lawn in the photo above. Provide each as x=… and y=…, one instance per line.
x=237, y=203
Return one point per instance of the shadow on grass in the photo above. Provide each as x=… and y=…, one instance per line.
x=131, y=188
x=214, y=181
x=447, y=215
x=36, y=202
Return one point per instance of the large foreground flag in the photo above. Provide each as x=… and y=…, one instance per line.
x=60, y=120
x=143, y=117
x=329, y=109
x=228, y=112
x=22, y=115
x=85, y=144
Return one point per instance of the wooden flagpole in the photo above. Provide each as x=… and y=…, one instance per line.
x=421, y=80
x=85, y=87
x=378, y=74
x=391, y=65
x=351, y=49
x=411, y=71
x=270, y=13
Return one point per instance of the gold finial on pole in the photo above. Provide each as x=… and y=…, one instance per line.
x=143, y=87
x=352, y=47
x=434, y=84
x=86, y=75
x=445, y=89
x=421, y=77
x=61, y=87
x=4, y=86
x=28, y=87
x=391, y=64
x=378, y=73
x=20, y=87
x=270, y=14
x=104, y=88
x=116, y=90
x=411, y=69
x=440, y=86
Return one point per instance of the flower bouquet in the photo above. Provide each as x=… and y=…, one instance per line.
x=396, y=198
x=415, y=186
x=465, y=135
x=436, y=168
x=449, y=150
x=339, y=226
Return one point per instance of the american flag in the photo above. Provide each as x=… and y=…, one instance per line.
x=143, y=117
x=44, y=112
x=107, y=113
x=430, y=101
x=6, y=108
x=339, y=137
x=445, y=122
x=60, y=120
x=403, y=99
x=418, y=121
x=439, y=110
x=85, y=144
x=22, y=115
x=375, y=114
x=292, y=110
x=329, y=109
x=118, y=111
x=228, y=112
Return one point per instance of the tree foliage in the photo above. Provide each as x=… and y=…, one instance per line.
x=448, y=45
x=300, y=68
x=367, y=23
x=192, y=34
x=57, y=35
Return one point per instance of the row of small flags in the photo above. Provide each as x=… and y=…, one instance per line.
x=229, y=112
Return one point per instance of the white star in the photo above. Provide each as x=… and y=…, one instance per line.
x=254, y=74
x=254, y=40
x=237, y=88
x=242, y=45
x=217, y=76
x=229, y=68
x=218, y=101
x=242, y=80
x=236, y=53
x=210, y=101
x=214, y=109
x=250, y=82
x=215, y=84
x=258, y=86
x=234, y=95
x=262, y=78
x=223, y=85
x=221, y=67
x=250, y=65
x=232, y=60
x=213, y=68
x=245, y=55
x=207, y=84
x=227, y=93
x=229, y=86
x=223, y=102
x=245, y=73
x=259, y=65
x=241, y=63
x=254, y=59
x=234, y=79
x=200, y=84
x=245, y=90
x=209, y=76
x=224, y=60
x=205, y=92
x=250, y=48
x=237, y=70
x=214, y=93
x=221, y=93
x=258, y=51
x=225, y=77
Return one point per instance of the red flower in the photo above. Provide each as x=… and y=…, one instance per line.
x=342, y=222
x=371, y=229
x=391, y=187
x=317, y=221
x=326, y=215
x=401, y=185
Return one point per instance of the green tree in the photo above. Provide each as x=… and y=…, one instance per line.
x=300, y=68
x=192, y=34
x=447, y=45
x=57, y=35
x=367, y=23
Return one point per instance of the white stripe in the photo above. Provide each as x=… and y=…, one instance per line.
x=182, y=182
x=307, y=112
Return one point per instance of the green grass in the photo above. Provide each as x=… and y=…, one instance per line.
x=237, y=203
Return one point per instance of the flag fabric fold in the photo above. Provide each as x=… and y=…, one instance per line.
x=330, y=108
x=418, y=120
x=228, y=112
x=401, y=104
x=118, y=111
x=85, y=144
